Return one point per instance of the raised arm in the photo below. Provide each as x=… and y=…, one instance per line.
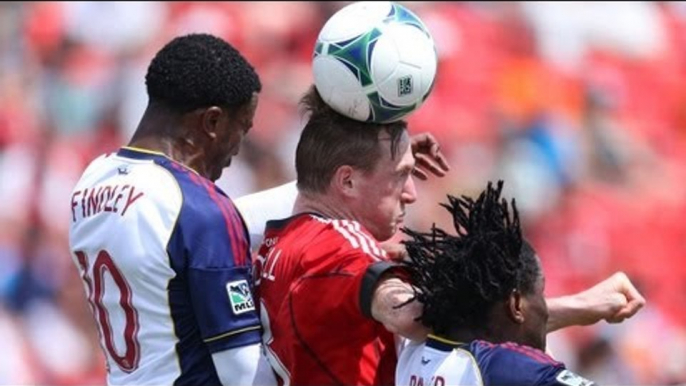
x=260, y=207
x=613, y=300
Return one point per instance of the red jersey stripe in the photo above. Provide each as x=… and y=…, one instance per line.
x=532, y=353
x=237, y=226
x=229, y=228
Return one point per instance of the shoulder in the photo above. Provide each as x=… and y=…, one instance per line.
x=407, y=348
x=146, y=178
x=192, y=186
x=319, y=236
x=496, y=362
x=158, y=186
x=203, y=202
x=97, y=170
x=352, y=239
x=97, y=164
x=208, y=223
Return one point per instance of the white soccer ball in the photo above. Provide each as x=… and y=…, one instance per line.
x=374, y=62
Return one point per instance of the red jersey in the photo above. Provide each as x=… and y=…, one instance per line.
x=315, y=278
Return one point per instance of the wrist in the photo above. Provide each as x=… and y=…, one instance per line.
x=565, y=311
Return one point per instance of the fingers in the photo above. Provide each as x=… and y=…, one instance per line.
x=428, y=164
x=438, y=157
x=422, y=140
x=428, y=156
x=628, y=289
x=633, y=300
x=420, y=174
x=630, y=309
x=617, y=303
x=439, y=164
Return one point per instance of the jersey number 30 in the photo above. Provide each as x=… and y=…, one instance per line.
x=96, y=290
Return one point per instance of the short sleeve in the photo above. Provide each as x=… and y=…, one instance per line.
x=210, y=250
x=224, y=307
x=344, y=281
x=338, y=280
x=324, y=313
x=371, y=277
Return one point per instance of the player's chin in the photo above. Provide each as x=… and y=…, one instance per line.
x=222, y=167
x=393, y=229
x=384, y=233
x=217, y=173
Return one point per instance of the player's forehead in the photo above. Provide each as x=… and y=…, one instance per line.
x=247, y=111
x=252, y=104
x=405, y=155
x=396, y=155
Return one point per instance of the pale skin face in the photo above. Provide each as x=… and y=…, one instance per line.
x=386, y=190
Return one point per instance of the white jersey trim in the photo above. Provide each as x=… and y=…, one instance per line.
x=339, y=227
x=358, y=239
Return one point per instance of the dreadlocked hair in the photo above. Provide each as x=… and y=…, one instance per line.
x=459, y=278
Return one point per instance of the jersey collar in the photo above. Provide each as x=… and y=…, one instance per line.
x=442, y=344
x=139, y=153
x=281, y=223
x=145, y=154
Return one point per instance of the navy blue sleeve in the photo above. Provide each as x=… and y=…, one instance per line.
x=223, y=304
x=513, y=364
x=211, y=248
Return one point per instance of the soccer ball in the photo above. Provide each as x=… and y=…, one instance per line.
x=374, y=62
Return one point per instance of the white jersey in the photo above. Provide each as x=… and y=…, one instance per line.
x=427, y=365
x=441, y=362
x=164, y=258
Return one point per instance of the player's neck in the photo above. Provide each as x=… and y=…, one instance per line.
x=155, y=133
x=166, y=146
x=151, y=143
x=151, y=133
x=320, y=203
x=494, y=331
x=465, y=335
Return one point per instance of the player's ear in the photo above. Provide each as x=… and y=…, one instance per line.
x=344, y=181
x=515, y=307
x=210, y=121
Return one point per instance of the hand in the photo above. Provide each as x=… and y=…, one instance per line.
x=428, y=157
x=614, y=299
x=395, y=251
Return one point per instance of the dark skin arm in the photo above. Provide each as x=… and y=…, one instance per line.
x=614, y=299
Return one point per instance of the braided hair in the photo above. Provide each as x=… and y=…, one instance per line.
x=459, y=278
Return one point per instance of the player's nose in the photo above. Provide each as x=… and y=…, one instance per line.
x=409, y=194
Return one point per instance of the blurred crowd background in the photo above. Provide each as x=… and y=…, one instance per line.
x=579, y=107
